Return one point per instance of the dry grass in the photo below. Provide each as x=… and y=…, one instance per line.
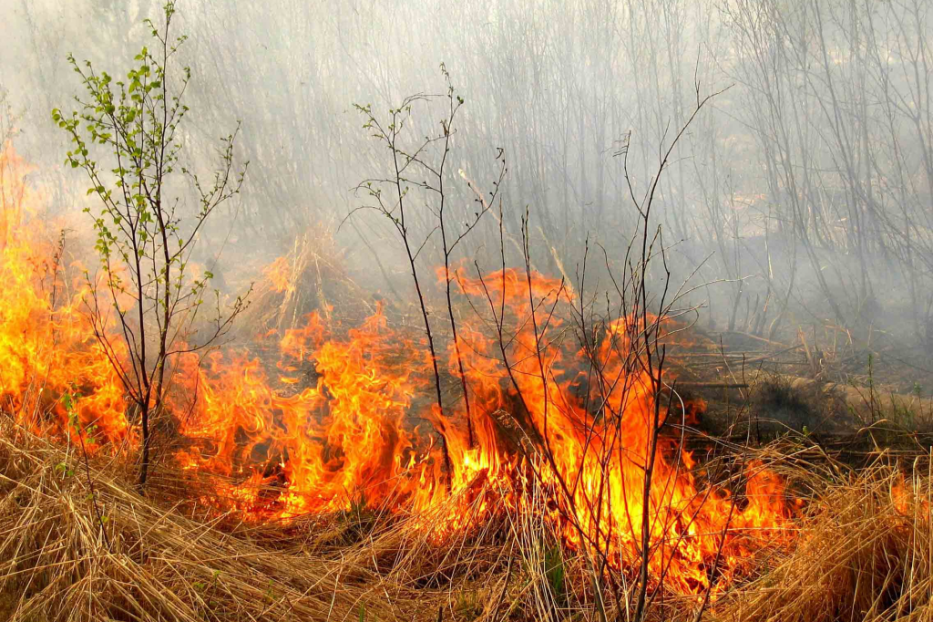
x=864, y=552
x=56, y=563
x=150, y=560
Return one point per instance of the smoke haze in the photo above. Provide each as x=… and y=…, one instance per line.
x=801, y=193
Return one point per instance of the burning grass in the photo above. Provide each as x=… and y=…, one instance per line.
x=564, y=439
x=319, y=480
x=146, y=562
x=862, y=553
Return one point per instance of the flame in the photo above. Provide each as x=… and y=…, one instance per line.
x=47, y=347
x=346, y=415
x=279, y=273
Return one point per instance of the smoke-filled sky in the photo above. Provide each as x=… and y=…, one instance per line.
x=802, y=192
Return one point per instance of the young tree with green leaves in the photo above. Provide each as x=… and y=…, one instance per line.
x=145, y=308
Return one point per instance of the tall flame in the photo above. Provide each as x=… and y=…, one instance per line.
x=47, y=347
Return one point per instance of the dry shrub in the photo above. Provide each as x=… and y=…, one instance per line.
x=310, y=277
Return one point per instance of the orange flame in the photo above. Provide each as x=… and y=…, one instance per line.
x=279, y=273
x=47, y=347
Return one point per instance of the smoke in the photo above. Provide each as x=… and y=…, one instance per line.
x=802, y=194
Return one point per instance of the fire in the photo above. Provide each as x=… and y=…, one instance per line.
x=346, y=416
x=47, y=347
x=343, y=437
x=279, y=274
x=600, y=456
